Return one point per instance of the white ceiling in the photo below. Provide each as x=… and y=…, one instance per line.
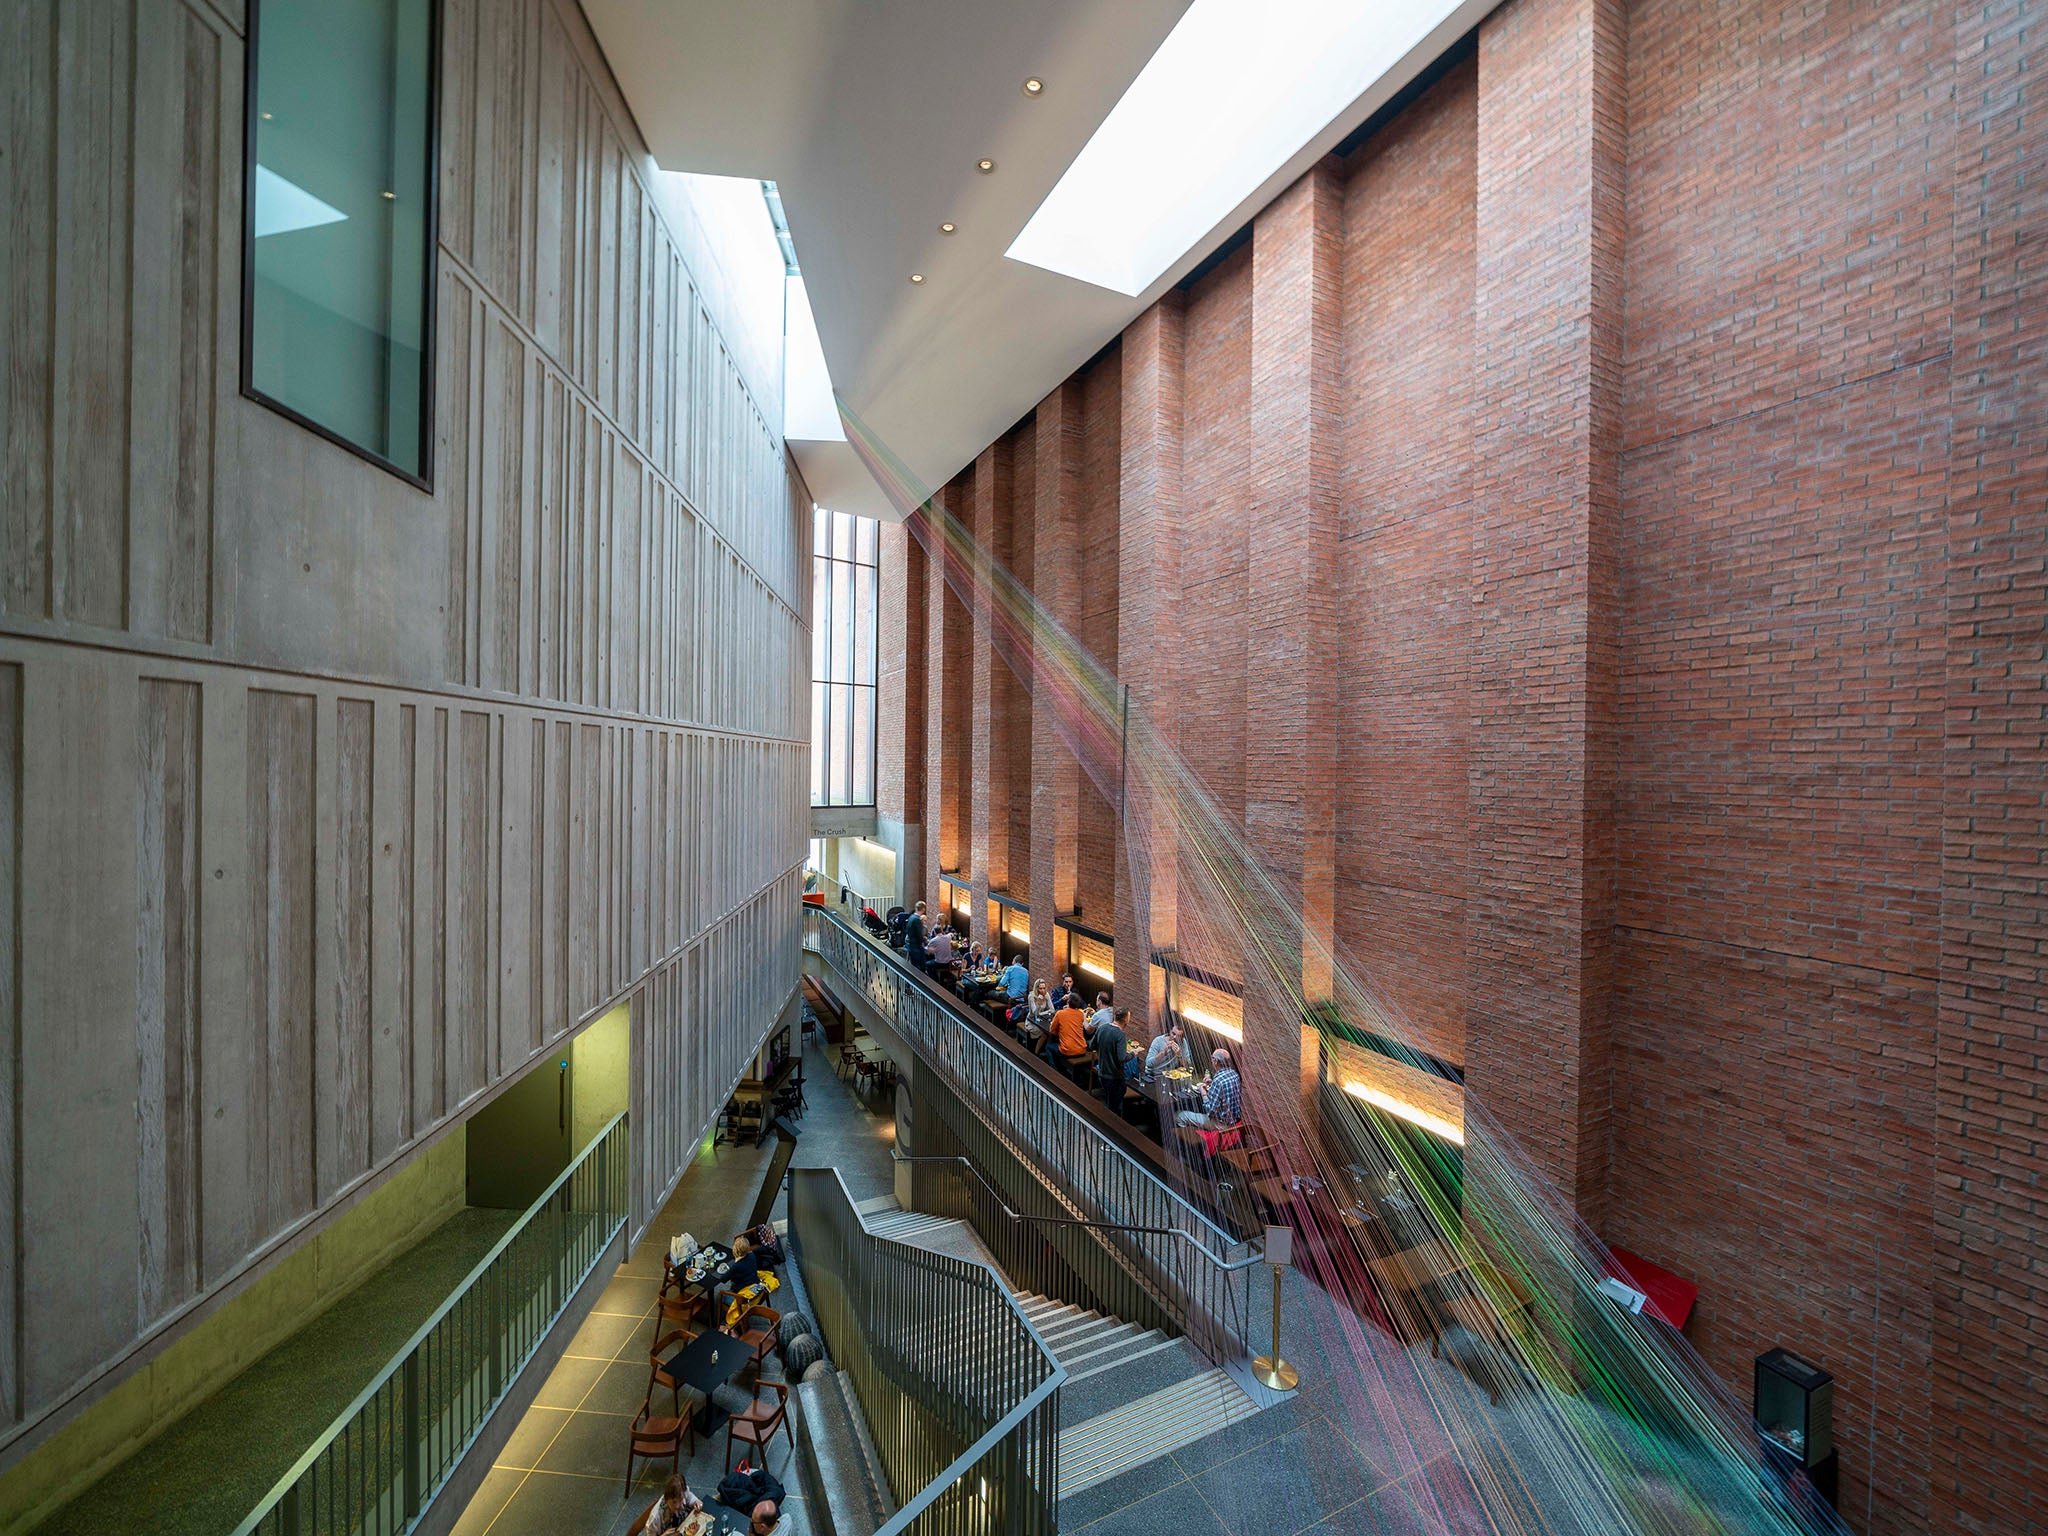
x=870, y=115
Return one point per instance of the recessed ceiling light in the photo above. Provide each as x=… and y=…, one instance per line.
x=948, y=227
x=984, y=166
x=393, y=196
x=917, y=277
x=1034, y=86
x=1175, y=159
x=267, y=116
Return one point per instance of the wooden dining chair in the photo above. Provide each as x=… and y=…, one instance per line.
x=759, y=1328
x=758, y=1425
x=680, y=1311
x=650, y=1438
x=664, y=1346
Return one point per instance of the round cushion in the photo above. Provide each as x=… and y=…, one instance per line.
x=794, y=1326
x=819, y=1371
x=802, y=1354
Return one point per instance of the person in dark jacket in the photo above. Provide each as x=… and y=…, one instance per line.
x=1112, y=1051
x=913, y=939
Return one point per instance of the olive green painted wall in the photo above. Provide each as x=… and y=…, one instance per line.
x=304, y=1283
x=598, y=1068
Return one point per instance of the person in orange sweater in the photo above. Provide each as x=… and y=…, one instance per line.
x=1067, y=1038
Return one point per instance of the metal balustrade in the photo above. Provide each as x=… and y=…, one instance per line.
x=379, y=1465
x=960, y=1394
x=1199, y=1273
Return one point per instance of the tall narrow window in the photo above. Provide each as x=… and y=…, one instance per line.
x=845, y=559
x=338, y=238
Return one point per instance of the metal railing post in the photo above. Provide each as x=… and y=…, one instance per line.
x=415, y=1449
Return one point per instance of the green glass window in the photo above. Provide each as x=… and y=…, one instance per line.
x=337, y=302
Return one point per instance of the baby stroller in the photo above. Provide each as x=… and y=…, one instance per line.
x=874, y=924
x=899, y=925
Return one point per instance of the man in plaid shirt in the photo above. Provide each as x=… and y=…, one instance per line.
x=1222, y=1100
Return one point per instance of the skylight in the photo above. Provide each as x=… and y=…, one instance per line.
x=1238, y=88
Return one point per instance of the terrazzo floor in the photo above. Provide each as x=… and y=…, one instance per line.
x=563, y=1469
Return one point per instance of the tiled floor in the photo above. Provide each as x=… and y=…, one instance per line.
x=564, y=1468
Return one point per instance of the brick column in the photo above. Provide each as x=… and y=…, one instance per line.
x=1546, y=433
x=988, y=808
x=1990, y=1301
x=1148, y=635
x=1056, y=777
x=900, y=705
x=947, y=637
x=1291, y=612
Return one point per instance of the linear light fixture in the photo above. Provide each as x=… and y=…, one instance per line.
x=1436, y=1125
x=1095, y=970
x=1209, y=1021
x=1238, y=88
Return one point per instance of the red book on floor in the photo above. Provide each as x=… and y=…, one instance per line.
x=1671, y=1297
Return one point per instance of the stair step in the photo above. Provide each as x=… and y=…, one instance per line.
x=1097, y=1449
x=1158, y=1342
x=1127, y=1344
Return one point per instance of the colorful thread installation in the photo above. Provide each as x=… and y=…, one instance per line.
x=1607, y=1422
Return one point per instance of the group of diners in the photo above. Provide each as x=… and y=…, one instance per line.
x=1092, y=1045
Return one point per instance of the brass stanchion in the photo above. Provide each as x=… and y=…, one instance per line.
x=1271, y=1370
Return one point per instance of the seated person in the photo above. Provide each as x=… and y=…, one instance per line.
x=675, y=1505
x=767, y=1520
x=1221, y=1098
x=1062, y=992
x=939, y=952
x=1038, y=1014
x=1169, y=1051
x=745, y=1268
x=1068, y=1038
x=1016, y=981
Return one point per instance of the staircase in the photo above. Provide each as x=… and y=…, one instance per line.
x=1132, y=1394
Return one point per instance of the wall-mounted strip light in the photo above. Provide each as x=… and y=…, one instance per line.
x=1209, y=1021
x=1436, y=1125
x=1095, y=970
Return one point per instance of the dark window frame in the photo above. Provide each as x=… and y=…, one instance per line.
x=431, y=275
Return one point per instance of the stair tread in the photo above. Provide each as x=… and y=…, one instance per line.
x=1149, y=1427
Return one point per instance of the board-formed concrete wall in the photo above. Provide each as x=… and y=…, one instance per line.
x=326, y=804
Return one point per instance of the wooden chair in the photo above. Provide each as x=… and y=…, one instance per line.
x=664, y=1346
x=757, y=1426
x=650, y=1438
x=685, y=1313
x=759, y=1328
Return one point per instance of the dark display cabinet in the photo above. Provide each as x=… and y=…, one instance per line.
x=1795, y=1412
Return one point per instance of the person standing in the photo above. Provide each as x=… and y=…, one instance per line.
x=1112, y=1054
x=914, y=934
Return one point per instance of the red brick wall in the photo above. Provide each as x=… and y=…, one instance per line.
x=1095, y=607
x=1784, y=485
x=1990, y=1386
x=1013, y=706
x=1216, y=495
x=1688, y=752
x=1405, y=561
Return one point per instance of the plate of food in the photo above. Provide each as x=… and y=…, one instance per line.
x=700, y=1523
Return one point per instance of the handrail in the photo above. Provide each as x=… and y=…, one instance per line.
x=875, y=1342
x=1197, y=1283
x=932, y=993
x=289, y=1498
x=1002, y=1205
